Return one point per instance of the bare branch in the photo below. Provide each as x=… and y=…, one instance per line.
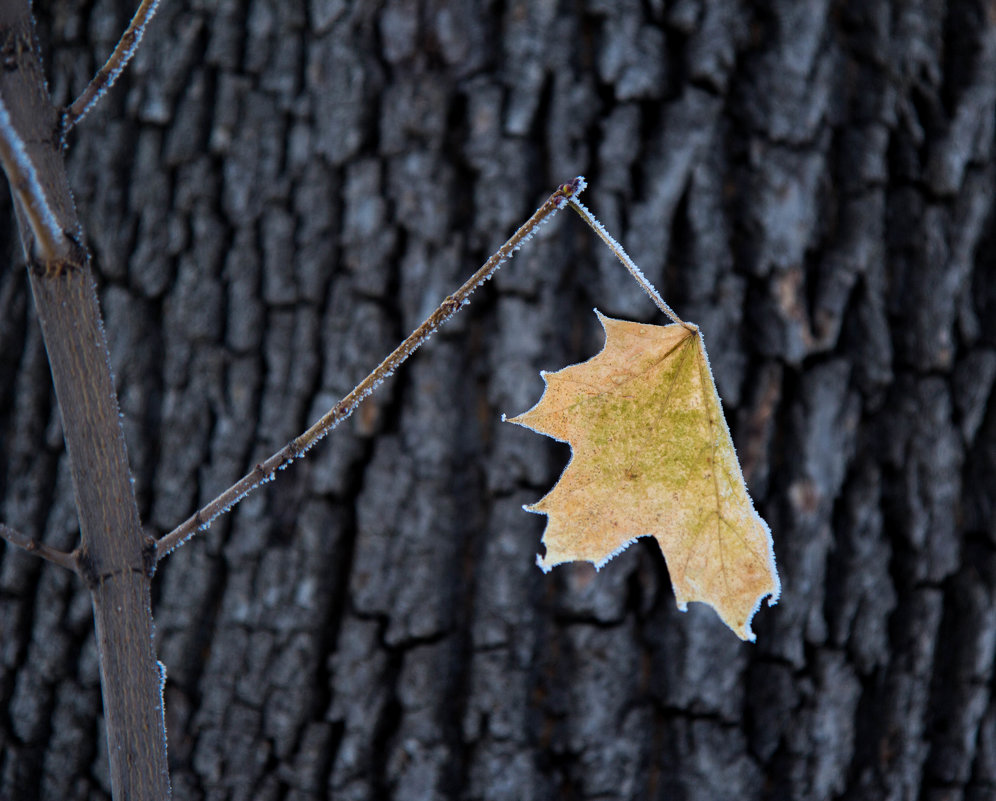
x=31, y=545
x=297, y=447
x=112, y=69
x=51, y=244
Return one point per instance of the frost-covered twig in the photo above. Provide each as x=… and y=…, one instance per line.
x=31, y=545
x=628, y=263
x=108, y=74
x=298, y=446
x=49, y=240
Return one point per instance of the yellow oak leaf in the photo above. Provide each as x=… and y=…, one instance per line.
x=652, y=456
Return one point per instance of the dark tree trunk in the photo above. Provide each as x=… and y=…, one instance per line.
x=279, y=191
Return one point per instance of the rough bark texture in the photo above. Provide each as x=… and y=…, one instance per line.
x=279, y=191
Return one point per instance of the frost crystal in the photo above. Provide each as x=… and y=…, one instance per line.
x=162, y=702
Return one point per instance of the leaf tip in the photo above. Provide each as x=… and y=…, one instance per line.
x=744, y=631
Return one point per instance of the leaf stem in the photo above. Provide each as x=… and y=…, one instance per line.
x=113, y=67
x=31, y=545
x=628, y=263
x=300, y=445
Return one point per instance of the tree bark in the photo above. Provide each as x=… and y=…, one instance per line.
x=278, y=192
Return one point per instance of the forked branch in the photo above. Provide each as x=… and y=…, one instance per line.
x=297, y=447
x=31, y=545
x=112, y=69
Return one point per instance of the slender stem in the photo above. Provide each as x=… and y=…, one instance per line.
x=31, y=545
x=628, y=263
x=300, y=445
x=49, y=242
x=112, y=69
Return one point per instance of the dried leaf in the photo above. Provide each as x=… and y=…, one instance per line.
x=652, y=456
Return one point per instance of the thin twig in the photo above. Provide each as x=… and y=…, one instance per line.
x=112, y=69
x=628, y=263
x=50, y=243
x=297, y=447
x=31, y=545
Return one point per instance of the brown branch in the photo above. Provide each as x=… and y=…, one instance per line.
x=112, y=69
x=31, y=545
x=298, y=446
x=112, y=556
x=50, y=245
